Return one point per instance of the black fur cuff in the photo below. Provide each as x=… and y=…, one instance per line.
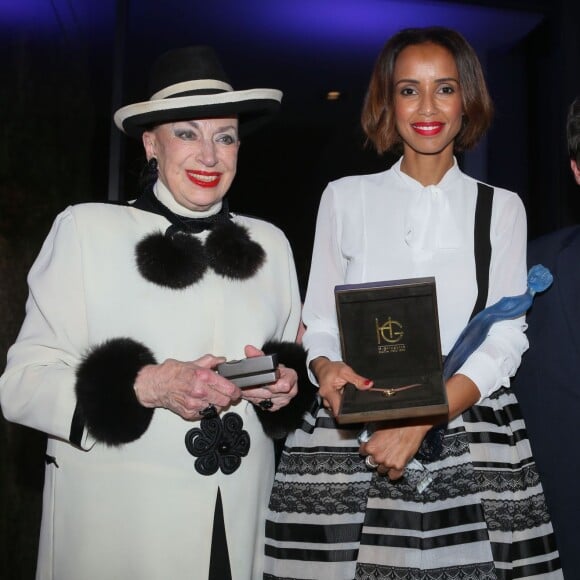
x=278, y=424
x=106, y=400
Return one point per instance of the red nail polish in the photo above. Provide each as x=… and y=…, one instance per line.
x=367, y=382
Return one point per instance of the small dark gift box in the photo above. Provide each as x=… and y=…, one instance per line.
x=251, y=372
x=389, y=332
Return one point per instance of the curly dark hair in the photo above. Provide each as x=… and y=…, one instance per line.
x=378, y=113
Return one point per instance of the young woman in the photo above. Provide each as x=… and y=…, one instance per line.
x=344, y=510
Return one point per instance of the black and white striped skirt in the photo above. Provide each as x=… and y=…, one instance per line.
x=482, y=517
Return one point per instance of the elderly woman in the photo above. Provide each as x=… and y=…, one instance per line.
x=157, y=465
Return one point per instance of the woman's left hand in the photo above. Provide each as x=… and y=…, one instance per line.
x=276, y=395
x=394, y=446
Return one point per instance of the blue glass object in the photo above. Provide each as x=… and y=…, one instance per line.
x=539, y=279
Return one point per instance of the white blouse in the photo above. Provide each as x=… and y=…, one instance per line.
x=387, y=226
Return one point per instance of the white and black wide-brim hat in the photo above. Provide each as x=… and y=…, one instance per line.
x=190, y=83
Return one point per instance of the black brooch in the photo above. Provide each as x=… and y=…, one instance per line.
x=218, y=443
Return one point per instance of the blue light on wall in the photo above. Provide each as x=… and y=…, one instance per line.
x=344, y=24
x=50, y=18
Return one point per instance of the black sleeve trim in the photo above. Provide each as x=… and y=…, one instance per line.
x=278, y=424
x=106, y=401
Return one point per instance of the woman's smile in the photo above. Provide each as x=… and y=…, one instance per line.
x=204, y=178
x=428, y=105
x=197, y=159
x=432, y=128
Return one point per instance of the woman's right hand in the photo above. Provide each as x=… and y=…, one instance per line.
x=185, y=388
x=331, y=377
x=394, y=445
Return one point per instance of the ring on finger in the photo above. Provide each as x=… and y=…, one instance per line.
x=266, y=404
x=370, y=462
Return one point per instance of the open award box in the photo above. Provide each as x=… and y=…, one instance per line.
x=389, y=332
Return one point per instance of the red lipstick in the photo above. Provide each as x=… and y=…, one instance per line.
x=204, y=178
x=427, y=129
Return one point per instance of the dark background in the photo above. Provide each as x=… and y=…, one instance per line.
x=67, y=65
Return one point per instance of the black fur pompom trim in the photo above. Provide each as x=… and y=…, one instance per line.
x=279, y=423
x=232, y=253
x=104, y=388
x=174, y=261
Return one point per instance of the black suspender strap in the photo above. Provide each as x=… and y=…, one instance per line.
x=432, y=444
x=482, y=244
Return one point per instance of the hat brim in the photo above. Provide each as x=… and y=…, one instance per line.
x=253, y=107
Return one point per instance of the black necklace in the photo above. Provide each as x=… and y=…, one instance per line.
x=177, y=259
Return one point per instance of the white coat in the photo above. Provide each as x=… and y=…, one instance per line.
x=141, y=510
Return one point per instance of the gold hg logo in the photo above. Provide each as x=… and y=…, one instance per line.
x=389, y=336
